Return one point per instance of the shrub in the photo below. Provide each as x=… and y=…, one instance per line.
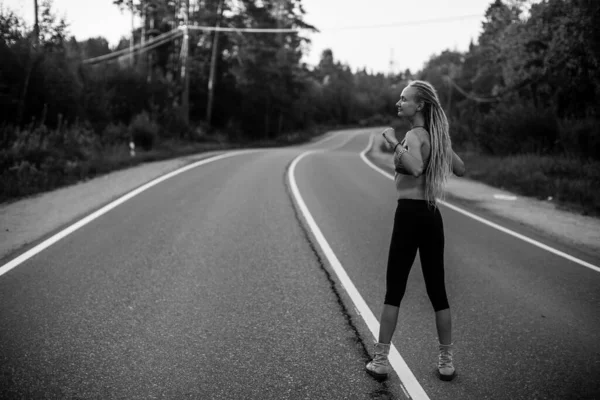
x=517, y=128
x=115, y=134
x=41, y=158
x=580, y=138
x=568, y=180
x=144, y=131
x=174, y=124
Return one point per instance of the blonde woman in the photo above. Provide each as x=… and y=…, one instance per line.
x=423, y=161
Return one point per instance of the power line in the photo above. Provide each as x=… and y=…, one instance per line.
x=406, y=23
x=175, y=33
x=154, y=42
x=272, y=30
x=468, y=95
x=154, y=45
x=291, y=30
x=249, y=30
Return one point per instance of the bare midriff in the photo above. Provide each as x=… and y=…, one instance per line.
x=407, y=186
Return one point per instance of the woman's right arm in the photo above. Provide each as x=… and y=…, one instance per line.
x=458, y=166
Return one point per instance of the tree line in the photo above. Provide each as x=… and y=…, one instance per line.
x=529, y=84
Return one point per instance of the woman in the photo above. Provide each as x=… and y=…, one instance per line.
x=423, y=162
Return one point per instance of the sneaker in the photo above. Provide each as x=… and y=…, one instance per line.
x=380, y=366
x=445, y=366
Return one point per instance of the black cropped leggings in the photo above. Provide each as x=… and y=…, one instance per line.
x=416, y=226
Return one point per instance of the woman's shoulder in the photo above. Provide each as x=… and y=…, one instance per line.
x=420, y=132
x=419, y=129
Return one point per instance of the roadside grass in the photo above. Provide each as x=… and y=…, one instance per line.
x=34, y=166
x=38, y=164
x=570, y=183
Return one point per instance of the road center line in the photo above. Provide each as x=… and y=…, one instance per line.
x=86, y=220
x=398, y=364
x=483, y=220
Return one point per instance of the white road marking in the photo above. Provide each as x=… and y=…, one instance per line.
x=504, y=197
x=485, y=221
x=86, y=220
x=398, y=364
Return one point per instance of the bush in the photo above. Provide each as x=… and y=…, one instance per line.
x=174, y=124
x=580, y=138
x=462, y=129
x=567, y=180
x=144, y=131
x=115, y=134
x=41, y=158
x=517, y=129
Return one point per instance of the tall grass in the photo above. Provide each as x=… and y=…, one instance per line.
x=570, y=182
x=39, y=159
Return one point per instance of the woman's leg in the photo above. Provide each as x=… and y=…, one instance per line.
x=443, y=323
x=431, y=252
x=403, y=249
x=389, y=318
x=402, y=253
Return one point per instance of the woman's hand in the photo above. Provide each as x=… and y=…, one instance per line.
x=391, y=142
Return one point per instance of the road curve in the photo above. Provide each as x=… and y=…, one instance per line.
x=210, y=285
x=525, y=320
x=204, y=286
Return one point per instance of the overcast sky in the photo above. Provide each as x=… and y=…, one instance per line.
x=409, y=42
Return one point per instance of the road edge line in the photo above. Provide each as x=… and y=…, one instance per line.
x=103, y=210
x=398, y=364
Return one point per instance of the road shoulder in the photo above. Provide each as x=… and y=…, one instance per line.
x=28, y=220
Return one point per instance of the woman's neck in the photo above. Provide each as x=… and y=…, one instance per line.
x=417, y=120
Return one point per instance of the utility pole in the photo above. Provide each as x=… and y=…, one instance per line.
x=36, y=27
x=185, y=66
x=143, y=17
x=213, y=65
x=281, y=6
x=131, y=42
x=392, y=63
x=30, y=64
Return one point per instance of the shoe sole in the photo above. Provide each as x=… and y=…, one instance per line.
x=447, y=378
x=376, y=375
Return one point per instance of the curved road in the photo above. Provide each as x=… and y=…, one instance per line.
x=211, y=285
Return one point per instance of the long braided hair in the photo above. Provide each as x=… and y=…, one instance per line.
x=436, y=123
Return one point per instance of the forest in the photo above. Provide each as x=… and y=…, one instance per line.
x=523, y=101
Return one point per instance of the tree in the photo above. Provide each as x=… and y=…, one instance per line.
x=94, y=47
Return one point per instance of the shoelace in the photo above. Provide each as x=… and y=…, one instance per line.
x=445, y=359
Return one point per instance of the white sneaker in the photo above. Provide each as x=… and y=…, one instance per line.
x=380, y=367
x=445, y=365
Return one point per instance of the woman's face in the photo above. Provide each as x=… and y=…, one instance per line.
x=407, y=105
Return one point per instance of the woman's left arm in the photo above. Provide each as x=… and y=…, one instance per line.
x=411, y=160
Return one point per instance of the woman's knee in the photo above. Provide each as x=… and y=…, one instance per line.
x=393, y=299
x=440, y=303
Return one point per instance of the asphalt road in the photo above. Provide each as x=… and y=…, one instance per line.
x=209, y=286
